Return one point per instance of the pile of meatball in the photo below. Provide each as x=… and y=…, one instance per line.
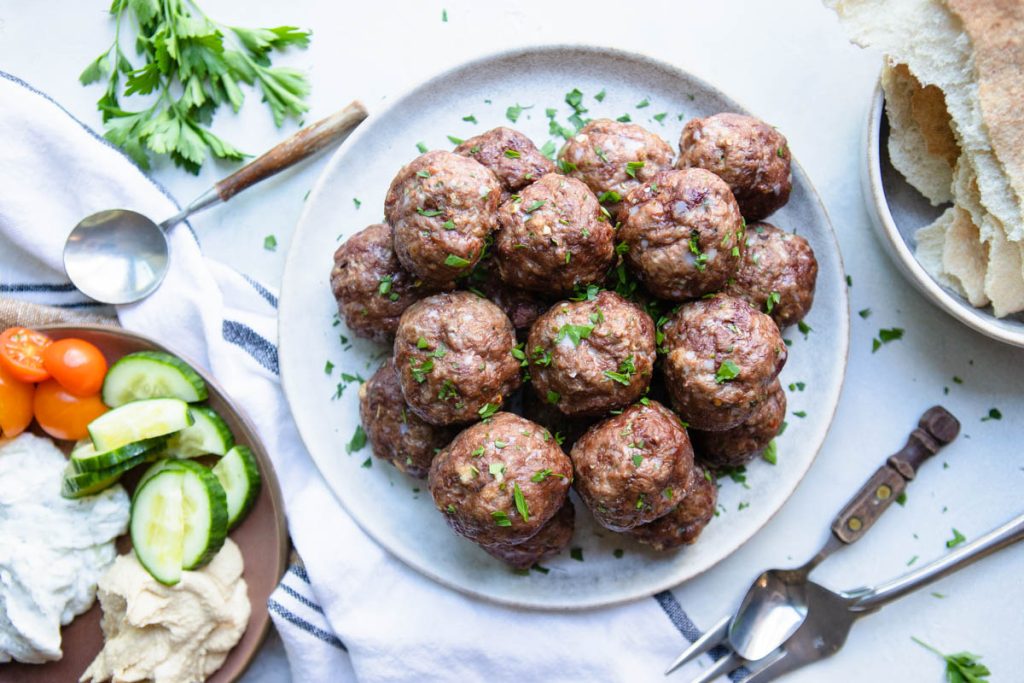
x=610, y=324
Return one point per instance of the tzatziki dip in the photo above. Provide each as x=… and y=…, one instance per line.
x=53, y=549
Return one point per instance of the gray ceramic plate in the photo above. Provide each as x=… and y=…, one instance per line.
x=396, y=510
x=897, y=211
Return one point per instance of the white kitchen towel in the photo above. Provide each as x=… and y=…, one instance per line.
x=353, y=612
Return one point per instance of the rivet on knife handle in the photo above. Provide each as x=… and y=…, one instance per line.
x=936, y=428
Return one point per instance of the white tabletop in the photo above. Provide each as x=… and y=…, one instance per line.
x=789, y=62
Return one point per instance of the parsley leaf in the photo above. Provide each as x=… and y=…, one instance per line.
x=574, y=333
x=534, y=206
x=576, y=554
x=993, y=414
x=270, y=243
x=957, y=539
x=512, y=154
x=500, y=518
x=771, y=452
x=487, y=410
x=521, y=506
x=961, y=667
x=632, y=167
x=357, y=442
x=610, y=196
x=772, y=301
x=727, y=371
x=454, y=261
x=515, y=111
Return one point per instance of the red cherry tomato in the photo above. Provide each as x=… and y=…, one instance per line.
x=15, y=404
x=78, y=365
x=21, y=352
x=63, y=415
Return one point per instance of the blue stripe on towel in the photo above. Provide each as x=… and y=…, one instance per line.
x=299, y=597
x=299, y=571
x=682, y=622
x=261, y=290
x=251, y=342
x=35, y=287
x=329, y=638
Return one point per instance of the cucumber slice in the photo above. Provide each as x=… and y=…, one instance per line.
x=239, y=474
x=77, y=484
x=85, y=457
x=151, y=374
x=158, y=525
x=137, y=421
x=205, y=510
x=208, y=434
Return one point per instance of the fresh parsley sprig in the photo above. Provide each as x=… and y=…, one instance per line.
x=962, y=667
x=191, y=66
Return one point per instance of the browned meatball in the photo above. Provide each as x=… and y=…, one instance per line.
x=553, y=237
x=567, y=429
x=442, y=206
x=612, y=157
x=454, y=354
x=633, y=467
x=739, y=445
x=684, y=232
x=512, y=157
x=552, y=539
x=722, y=357
x=777, y=274
x=500, y=481
x=591, y=356
x=684, y=524
x=371, y=287
x=521, y=307
x=747, y=153
x=396, y=433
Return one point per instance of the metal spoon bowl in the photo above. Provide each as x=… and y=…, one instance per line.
x=120, y=256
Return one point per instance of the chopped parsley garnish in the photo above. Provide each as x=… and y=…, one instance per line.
x=357, y=441
x=957, y=539
x=626, y=370
x=643, y=103
x=618, y=553
x=520, y=355
x=702, y=259
x=772, y=301
x=534, y=206
x=885, y=336
x=478, y=451
x=500, y=518
x=625, y=118
x=328, y=367
x=961, y=667
x=804, y=328
x=864, y=313
x=553, y=397
x=444, y=16
x=632, y=167
x=270, y=243
x=800, y=413
x=454, y=261
x=849, y=281
x=454, y=140
x=576, y=554
x=500, y=444
x=420, y=368
x=901, y=499
x=424, y=173
x=621, y=248
x=771, y=452
x=957, y=380
x=781, y=152
x=548, y=150
x=448, y=225
x=797, y=386
x=422, y=148
x=512, y=154
x=610, y=196
x=384, y=286
x=441, y=351
x=521, y=506
x=541, y=357
x=450, y=509
x=368, y=463
x=566, y=166
x=488, y=410
x=993, y=414
x=574, y=333
x=660, y=118
x=600, y=96
x=448, y=391
x=640, y=502
x=515, y=111
x=574, y=98
x=726, y=371
x=356, y=202
x=497, y=470
x=541, y=475
x=469, y=119
x=430, y=213
x=601, y=155
x=637, y=459
x=737, y=474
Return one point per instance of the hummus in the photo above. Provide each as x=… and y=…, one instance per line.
x=170, y=634
x=52, y=550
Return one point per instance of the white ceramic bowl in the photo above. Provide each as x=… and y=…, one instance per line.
x=897, y=211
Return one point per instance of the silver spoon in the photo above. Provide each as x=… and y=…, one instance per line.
x=776, y=603
x=120, y=256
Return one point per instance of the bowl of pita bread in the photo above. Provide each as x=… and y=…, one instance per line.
x=944, y=161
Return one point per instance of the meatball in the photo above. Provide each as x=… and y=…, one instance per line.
x=500, y=481
x=684, y=524
x=396, y=433
x=747, y=153
x=722, y=357
x=512, y=157
x=612, y=157
x=739, y=445
x=553, y=237
x=777, y=274
x=442, y=206
x=684, y=232
x=591, y=356
x=371, y=287
x=454, y=354
x=633, y=467
x=552, y=539
x=567, y=430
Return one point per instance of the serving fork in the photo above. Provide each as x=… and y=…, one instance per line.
x=777, y=603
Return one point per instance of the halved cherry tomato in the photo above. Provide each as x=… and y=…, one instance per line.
x=21, y=352
x=63, y=415
x=78, y=365
x=15, y=404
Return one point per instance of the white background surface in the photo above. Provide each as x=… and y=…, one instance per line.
x=790, y=63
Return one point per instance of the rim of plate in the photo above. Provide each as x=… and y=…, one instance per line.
x=291, y=262
x=978, y=319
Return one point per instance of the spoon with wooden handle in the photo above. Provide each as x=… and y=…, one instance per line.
x=120, y=256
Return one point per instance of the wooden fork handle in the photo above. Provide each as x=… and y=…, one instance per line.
x=299, y=146
x=936, y=428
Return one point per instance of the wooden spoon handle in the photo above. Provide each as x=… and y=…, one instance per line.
x=304, y=143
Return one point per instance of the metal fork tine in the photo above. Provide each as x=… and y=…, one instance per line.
x=772, y=666
x=712, y=637
x=722, y=666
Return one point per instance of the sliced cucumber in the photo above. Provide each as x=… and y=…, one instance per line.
x=158, y=525
x=239, y=474
x=77, y=484
x=208, y=434
x=137, y=421
x=206, y=513
x=85, y=457
x=152, y=374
